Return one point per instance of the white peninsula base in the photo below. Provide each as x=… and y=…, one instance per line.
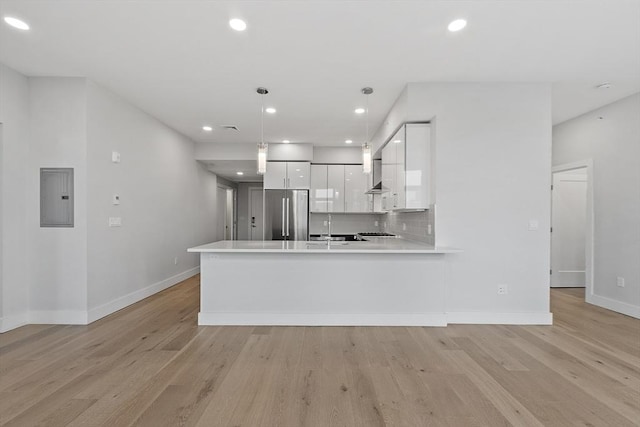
x=330, y=288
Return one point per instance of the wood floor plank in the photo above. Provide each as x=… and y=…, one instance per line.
x=150, y=364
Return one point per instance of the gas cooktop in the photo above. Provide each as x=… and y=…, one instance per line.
x=376, y=234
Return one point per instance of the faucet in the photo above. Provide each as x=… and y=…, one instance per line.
x=329, y=226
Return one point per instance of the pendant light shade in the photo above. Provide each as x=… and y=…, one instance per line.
x=262, y=147
x=366, y=149
x=366, y=158
x=262, y=158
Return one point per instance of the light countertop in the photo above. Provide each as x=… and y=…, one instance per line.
x=373, y=245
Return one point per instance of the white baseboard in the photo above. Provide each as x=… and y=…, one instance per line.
x=8, y=323
x=614, y=305
x=58, y=317
x=480, y=318
x=126, y=300
x=321, y=319
x=79, y=317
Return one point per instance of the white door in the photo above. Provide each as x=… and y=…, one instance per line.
x=255, y=214
x=568, y=224
x=221, y=213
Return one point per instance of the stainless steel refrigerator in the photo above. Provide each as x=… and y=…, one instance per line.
x=286, y=215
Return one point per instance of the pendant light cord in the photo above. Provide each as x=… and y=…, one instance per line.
x=262, y=120
x=367, y=124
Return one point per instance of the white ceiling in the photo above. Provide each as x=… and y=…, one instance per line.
x=229, y=169
x=179, y=61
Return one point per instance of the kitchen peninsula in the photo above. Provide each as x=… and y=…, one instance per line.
x=392, y=282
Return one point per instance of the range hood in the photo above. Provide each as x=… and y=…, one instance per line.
x=377, y=179
x=376, y=189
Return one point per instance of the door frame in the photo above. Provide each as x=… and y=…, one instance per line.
x=589, y=223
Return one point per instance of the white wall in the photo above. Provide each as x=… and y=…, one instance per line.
x=167, y=203
x=58, y=256
x=15, y=265
x=79, y=274
x=337, y=155
x=613, y=144
x=492, y=173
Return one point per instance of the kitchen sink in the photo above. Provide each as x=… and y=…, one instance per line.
x=336, y=238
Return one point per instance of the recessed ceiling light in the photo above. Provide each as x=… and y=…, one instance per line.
x=207, y=128
x=359, y=110
x=457, y=25
x=297, y=170
x=605, y=85
x=239, y=173
x=600, y=118
x=397, y=141
x=238, y=24
x=270, y=110
x=348, y=141
x=16, y=23
x=285, y=141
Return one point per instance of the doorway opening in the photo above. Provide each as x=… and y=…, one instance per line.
x=226, y=214
x=572, y=227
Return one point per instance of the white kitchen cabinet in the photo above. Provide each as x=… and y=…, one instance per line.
x=355, y=185
x=388, y=171
x=318, y=192
x=406, y=168
x=335, y=188
x=287, y=175
x=339, y=188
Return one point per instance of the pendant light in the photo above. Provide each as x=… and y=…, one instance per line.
x=262, y=147
x=366, y=149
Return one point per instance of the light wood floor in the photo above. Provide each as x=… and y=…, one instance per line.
x=151, y=365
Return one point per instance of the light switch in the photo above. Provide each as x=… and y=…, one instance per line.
x=115, y=221
x=533, y=224
x=116, y=199
x=115, y=157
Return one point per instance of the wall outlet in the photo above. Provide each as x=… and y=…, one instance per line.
x=404, y=227
x=503, y=290
x=115, y=199
x=620, y=282
x=384, y=224
x=429, y=229
x=115, y=157
x=533, y=225
x=325, y=223
x=175, y=261
x=375, y=223
x=115, y=221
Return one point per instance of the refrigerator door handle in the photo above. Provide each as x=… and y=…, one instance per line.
x=283, y=213
x=287, y=217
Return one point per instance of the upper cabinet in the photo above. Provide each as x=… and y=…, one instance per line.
x=339, y=188
x=287, y=175
x=355, y=185
x=406, y=170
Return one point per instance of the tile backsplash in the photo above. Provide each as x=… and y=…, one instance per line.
x=345, y=223
x=416, y=224
x=411, y=225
